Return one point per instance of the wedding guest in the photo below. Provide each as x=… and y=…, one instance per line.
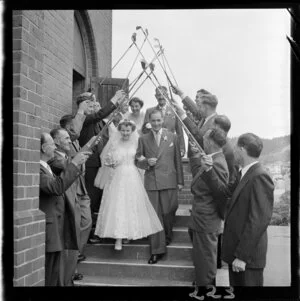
x=136, y=115
x=206, y=107
x=206, y=215
x=125, y=211
x=160, y=153
x=248, y=215
x=170, y=121
x=58, y=163
x=68, y=122
x=60, y=232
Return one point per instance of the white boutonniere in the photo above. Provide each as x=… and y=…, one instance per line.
x=165, y=138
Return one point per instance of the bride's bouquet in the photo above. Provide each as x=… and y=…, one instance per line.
x=109, y=160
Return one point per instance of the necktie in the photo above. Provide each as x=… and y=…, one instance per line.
x=239, y=176
x=157, y=138
x=201, y=123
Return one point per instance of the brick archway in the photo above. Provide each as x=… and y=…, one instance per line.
x=85, y=25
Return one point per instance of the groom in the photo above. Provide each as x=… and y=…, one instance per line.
x=159, y=154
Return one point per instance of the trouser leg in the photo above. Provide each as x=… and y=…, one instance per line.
x=70, y=265
x=157, y=240
x=53, y=269
x=169, y=204
x=205, y=257
x=219, y=261
x=86, y=220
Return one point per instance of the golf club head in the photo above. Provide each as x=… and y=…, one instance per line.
x=133, y=37
x=151, y=66
x=143, y=63
x=138, y=27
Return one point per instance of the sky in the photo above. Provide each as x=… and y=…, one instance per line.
x=240, y=55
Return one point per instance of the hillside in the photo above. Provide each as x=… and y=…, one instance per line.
x=276, y=149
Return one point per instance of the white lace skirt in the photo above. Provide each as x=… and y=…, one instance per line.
x=125, y=210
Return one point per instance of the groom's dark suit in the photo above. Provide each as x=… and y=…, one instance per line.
x=161, y=181
x=248, y=215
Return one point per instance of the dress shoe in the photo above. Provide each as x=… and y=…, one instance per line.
x=118, y=244
x=77, y=276
x=81, y=257
x=94, y=239
x=154, y=258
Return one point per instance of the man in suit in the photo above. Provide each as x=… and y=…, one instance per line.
x=159, y=154
x=170, y=121
x=248, y=214
x=205, y=106
x=74, y=196
x=58, y=163
x=206, y=215
x=91, y=128
x=71, y=124
x=59, y=226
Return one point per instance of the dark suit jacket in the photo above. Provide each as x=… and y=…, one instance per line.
x=170, y=123
x=72, y=213
x=168, y=171
x=205, y=216
x=90, y=128
x=248, y=215
x=52, y=203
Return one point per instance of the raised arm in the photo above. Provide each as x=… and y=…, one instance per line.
x=57, y=185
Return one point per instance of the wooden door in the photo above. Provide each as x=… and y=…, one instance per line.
x=105, y=90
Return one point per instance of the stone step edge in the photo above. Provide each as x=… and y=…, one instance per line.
x=114, y=281
x=171, y=246
x=134, y=263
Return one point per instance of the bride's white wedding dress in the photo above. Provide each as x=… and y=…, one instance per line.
x=125, y=210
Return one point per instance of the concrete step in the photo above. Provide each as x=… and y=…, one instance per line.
x=177, y=270
x=180, y=235
x=137, y=251
x=122, y=281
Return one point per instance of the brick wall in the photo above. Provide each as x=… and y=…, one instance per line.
x=43, y=84
x=185, y=196
x=101, y=21
x=58, y=66
x=29, y=224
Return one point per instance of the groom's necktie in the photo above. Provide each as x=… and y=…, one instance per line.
x=157, y=138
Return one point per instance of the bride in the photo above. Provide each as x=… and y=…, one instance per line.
x=125, y=211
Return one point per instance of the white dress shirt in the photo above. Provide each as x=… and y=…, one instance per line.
x=157, y=136
x=208, y=117
x=246, y=168
x=45, y=164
